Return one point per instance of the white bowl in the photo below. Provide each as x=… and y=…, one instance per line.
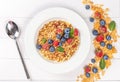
x=50, y=14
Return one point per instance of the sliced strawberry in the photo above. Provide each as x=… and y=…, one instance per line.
x=58, y=31
x=45, y=46
x=103, y=29
x=69, y=40
x=87, y=69
x=55, y=43
x=76, y=32
x=100, y=38
x=99, y=53
x=97, y=15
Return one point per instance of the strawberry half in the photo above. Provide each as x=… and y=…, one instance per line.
x=99, y=53
x=100, y=38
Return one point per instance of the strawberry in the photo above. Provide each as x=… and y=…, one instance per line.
x=76, y=32
x=97, y=15
x=58, y=31
x=99, y=53
x=100, y=38
x=69, y=40
x=45, y=46
x=55, y=43
x=103, y=29
x=87, y=69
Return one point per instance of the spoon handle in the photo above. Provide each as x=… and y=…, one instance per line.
x=25, y=68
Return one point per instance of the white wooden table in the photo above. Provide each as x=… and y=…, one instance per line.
x=21, y=11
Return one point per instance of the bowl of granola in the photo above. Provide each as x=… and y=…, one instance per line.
x=57, y=42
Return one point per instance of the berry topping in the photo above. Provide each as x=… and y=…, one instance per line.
x=58, y=31
x=97, y=15
x=58, y=36
x=45, y=46
x=87, y=7
x=55, y=43
x=108, y=37
x=67, y=31
x=103, y=29
x=95, y=32
x=52, y=49
x=87, y=75
x=95, y=70
x=91, y=19
x=38, y=46
x=105, y=57
x=66, y=36
x=109, y=46
x=87, y=69
x=63, y=39
x=76, y=32
x=102, y=22
x=102, y=44
x=69, y=40
x=98, y=53
x=93, y=60
x=100, y=38
x=50, y=41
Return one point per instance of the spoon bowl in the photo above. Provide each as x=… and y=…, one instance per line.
x=12, y=30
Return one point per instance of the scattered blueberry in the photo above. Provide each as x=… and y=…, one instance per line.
x=105, y=57
x=58, y=36
x=87, y=75
x=60, y=44
x=38, y=46
x=67, y=31
x=109, y=46
x=52, y=49
x=95, y=70
x=66, y=36
x=50, y=41
x=63, y=39
x=102, y=44
x=93, y=60
x=95, y=32
x=102, y=22
x=108, y=37
x=91, y=19
x=87, y=7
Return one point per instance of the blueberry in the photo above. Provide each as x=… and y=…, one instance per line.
x=60, y=44
x=105, y=57
x=87, y=75
x=102, y=44
x=50, y=41
x=91, y=19
x=66, y=36
x=109, y=46
x=93, y=60
x=58, y=36
x=108, y=37
x=87, y=7
x=67, y=31
x=63, y=39
x=102, y=22
x=52, y=49
x=95, y=70
x=38, y=46
x=95, y=32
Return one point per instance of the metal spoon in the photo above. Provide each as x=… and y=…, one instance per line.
x=13, y=32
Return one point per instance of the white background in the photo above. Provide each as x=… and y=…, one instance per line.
x=21, y=11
